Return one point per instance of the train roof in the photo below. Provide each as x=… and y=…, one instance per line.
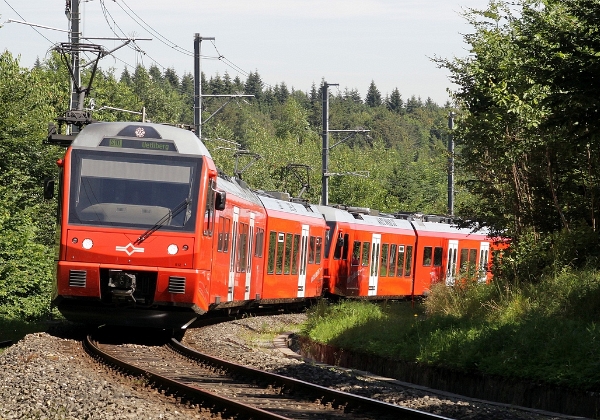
x=238, y=188
x=290, y=207
x=360, y=217
x=140, y=136
x=438, y=227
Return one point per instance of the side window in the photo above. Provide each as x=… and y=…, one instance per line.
x=408, y=262
x=318, y=250
x=392, y=271
x=272, y=248
x=209, y=212
x=346, y=246
x=226, y=234
x=437, y=256
x=242, y=248
x=383, y=268
x=221, y=238
x=427, y=253
x=279, y=259
x=259, y=242
x=295, y=254
x=356, y=253
x=400, y=265
x=288, y=253
x=311, y=250
x=366, y=249
x=339, y=246
x=464, y=259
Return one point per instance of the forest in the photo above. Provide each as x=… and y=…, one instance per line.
x=527, y=141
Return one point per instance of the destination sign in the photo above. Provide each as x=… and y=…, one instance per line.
x=165, y=146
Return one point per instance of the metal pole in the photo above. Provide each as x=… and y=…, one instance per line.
x=198, y=85
x=451, y=165
x=76, y=82
x=325, y=152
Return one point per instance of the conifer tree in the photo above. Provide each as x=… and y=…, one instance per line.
x=373, y=98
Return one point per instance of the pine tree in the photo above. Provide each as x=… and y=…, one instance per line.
x=395, y=103
x=254, y=85
x=125, y=77
x=373, y=98
x=171, y=77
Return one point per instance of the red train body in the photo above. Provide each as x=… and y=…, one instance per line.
x=150, y=235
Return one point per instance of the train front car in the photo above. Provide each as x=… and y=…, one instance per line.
x=137, y=208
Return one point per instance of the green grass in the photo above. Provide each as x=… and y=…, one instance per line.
x=547, y=332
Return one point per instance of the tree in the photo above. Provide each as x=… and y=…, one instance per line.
x=395, y=103
x=254, y=85
x=373, y=98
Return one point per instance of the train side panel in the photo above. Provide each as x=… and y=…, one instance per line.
x=294, y=238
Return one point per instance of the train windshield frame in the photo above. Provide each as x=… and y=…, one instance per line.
x=134, y=190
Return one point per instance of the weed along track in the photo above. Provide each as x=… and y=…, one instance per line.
x=234, y=390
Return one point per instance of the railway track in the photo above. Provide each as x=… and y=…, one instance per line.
x=237, y=391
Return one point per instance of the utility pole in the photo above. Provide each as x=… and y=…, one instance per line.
x=72, y=12
x=451, y=164
x=198, y=84
x=326, y=147
x=325, y=153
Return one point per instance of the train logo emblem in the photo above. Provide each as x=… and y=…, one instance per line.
x=129, y=249
x=140, y=132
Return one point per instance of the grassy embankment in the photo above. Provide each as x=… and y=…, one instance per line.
x=547, y=332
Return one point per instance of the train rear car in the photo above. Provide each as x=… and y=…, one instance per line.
x=136, y=209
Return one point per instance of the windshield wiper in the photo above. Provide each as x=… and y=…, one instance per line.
x=163, y=220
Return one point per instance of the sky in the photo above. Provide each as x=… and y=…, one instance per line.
x=299, y=42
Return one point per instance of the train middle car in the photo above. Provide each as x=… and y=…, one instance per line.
x=151, y=235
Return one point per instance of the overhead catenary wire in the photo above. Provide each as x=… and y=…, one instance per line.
x=32, y=27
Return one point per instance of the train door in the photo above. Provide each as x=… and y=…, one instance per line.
x=303, y=254
x=484, y=252
x=374, y=274
x=451, y=262
x=249, y=260
x=234, y=244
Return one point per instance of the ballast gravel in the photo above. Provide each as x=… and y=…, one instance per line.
x=49, y=376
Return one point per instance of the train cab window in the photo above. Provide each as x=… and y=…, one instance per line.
x=272, y=249
x=295, y=254
x=311, y=250
x=366, y=249
x=400, y=265
x=259, y=242
x=383, y=268
x=392, y=270
x=279, y=252
x=408, y=262
x=355, y=253
x=427, y=254
x=319, y=241
x=288, y=253
x=438, y=252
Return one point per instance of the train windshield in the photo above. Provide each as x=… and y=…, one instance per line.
x=133, y=190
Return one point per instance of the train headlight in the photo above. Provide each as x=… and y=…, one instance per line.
x=172, y=249
x=87, y=243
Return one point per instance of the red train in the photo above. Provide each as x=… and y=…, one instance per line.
x=151, y=235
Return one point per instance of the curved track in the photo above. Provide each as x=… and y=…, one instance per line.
x=238, y=391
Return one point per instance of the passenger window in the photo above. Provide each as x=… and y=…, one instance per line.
x=272, y=249
x=339, y=246
x=288, y=253
x=438, y=252
x=464, y=259
x=383, y=268
x=311, y=250
x=427, y=252
x=365, y=254
x=259, y=242
x=392, y=271
x=356, y=253
x=346, y=245
x=280, y=242
x=408, y=262
x=400, y=264
x=295, y=253
x=318, y=251
x=226, y=235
